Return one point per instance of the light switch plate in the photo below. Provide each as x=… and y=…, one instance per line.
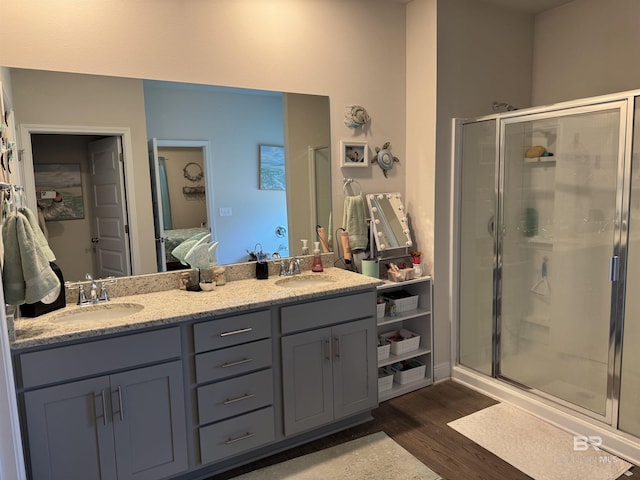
x=225, y=211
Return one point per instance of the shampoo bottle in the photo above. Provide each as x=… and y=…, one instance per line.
x=317, y=259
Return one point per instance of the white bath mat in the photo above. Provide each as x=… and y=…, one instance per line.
x=537, y=448
x=374, y=457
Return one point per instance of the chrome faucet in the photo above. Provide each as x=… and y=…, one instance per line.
x=97, y=293
x=93, y=296
x=294, y=266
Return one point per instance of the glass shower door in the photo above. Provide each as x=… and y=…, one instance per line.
x=478, y=160
x=559, y=205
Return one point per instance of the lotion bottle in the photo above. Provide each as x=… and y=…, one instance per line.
x=305, y=247
x=317, y=259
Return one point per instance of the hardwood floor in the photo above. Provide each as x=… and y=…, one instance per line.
x=418, y=422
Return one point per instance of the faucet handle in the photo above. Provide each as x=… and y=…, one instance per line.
x=82, y=296
x=296, y=265
x=110, y=280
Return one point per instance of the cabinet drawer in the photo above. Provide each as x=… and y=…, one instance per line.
x=233, y=361
x=96, y=357
x=231, y=331
x=237, y=435
x=327, y=312
x=232, y=397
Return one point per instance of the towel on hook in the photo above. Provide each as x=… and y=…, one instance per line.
x=38, y=233
x=27, y=276
x=355, y=222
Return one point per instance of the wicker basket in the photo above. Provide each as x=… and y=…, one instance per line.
x=410, y=342
x=385, y=379
x=401, y=301
x=384, y=348
x=414, y=370
x=381, y=309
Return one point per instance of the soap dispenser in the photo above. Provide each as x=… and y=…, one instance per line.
x=317, y=259
x=305, y=247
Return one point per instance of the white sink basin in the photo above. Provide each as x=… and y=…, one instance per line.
x=96, y=313
x=305, y=281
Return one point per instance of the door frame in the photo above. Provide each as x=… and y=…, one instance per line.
x=205, y=146
x=27, y=177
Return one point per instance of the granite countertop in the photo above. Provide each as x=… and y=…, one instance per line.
x=173, y=306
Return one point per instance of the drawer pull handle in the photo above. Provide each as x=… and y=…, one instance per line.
x=234, y=364
x=243, y=437
x=336, y=346
x=236, y=332
x=104, y=407
x=246, y=396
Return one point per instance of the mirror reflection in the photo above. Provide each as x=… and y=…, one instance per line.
x=228, y=126
x=389, y=220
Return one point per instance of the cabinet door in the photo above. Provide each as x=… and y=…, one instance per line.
x=70, y=431
x=307, y=380
x=355, y=358
x=149, y=422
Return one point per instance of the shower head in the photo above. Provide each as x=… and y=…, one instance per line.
x=498, y=105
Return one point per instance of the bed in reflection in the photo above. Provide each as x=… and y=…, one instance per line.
x=173, y=238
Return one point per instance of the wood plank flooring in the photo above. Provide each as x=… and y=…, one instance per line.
x=418, y=422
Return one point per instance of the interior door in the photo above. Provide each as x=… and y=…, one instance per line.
x=111, y=236
x=560, y=212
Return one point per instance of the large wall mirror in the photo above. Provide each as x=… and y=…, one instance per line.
x=223, y=126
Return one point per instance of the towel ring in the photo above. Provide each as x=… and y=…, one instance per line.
x=347, y=181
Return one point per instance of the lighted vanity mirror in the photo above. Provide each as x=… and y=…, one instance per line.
x=389, y=221
x=71, y=110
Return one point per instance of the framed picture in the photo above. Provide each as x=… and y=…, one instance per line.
x=354, y=154
x=64, y=179
x=271, y=159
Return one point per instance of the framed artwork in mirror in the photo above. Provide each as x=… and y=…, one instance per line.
x=59, y=191
x=271, y=158
x=354, y=154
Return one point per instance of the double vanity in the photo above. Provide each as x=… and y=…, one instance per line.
x=182, y=385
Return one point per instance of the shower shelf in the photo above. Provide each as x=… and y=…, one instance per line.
x=539, y=320
x=540, y=160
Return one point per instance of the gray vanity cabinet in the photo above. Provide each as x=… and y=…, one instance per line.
x=328, y=373
x=127, y=425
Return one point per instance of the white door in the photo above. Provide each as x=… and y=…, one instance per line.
x=111, y=236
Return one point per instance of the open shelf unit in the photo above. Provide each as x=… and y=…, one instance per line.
x=418, y=321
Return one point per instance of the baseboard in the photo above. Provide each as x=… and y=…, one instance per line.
x=619, y=443
x=441, y=372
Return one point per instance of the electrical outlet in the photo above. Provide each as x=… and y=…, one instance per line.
x=225, y=212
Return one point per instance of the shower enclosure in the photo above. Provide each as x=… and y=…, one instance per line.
x=548, y=254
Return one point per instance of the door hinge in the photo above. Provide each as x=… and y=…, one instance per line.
x=126, y=229
x=121, y=156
